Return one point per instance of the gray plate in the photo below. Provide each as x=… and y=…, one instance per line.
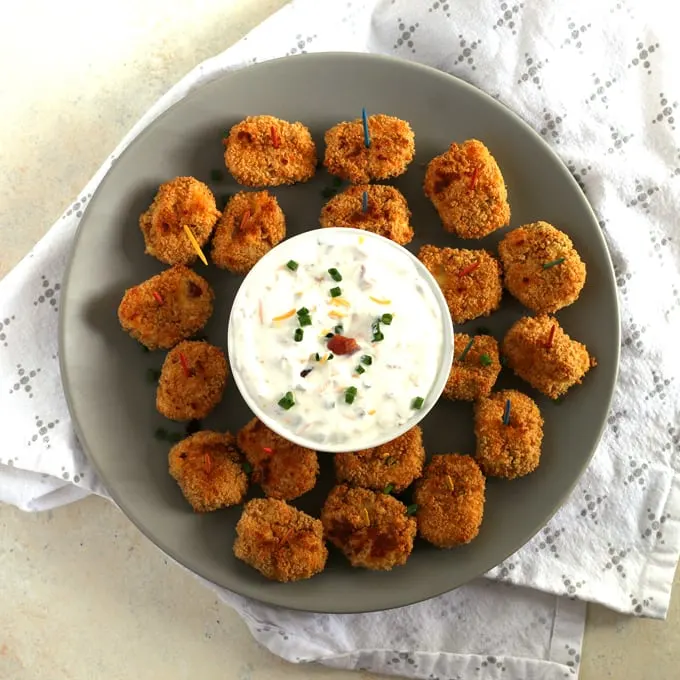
x=103, y=370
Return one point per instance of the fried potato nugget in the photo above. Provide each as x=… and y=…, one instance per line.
x=182, y=201
x=251, y=225
x=387, y=215
x=511, y=450
x=396, y=463
x=371, y=528
x=391, y=149
x=469, y=279
x=539, y=351
x=474, y=375
x=282, y=543
x=207, y=467
x=167, y=308
x=468, y=191
x=283, y=469
x=542, y=268
x=263, y=151
x=450, y=499
x=192, y=381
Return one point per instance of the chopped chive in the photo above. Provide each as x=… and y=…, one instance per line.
x=367, y=134
x=161, y=433
x=390, y=461
x=485, y=360
x=337, y=182
x=305, y=320
x=303, y=311
x=364, y=202
x=335, y=292
x=506, y=413
x=287, y=401
x=247, y=467
x=152, y=375
x=417, y=403
x=299, y=333
x=317, y=356
x=464, y=353
x=386, y=319
x=378, y=336
x=553, y=263
x=292, y=265
x=504, y=361
x=335, y=274
x=338, y=329
x=482, y=330
x=216, y=175
x=412, y=509
x=360, y=369
x=366, y=360
x=329, y=336
x=328, y=192
x=350, y=394
x=388, y=489
x=330, y=357
x=306, y=372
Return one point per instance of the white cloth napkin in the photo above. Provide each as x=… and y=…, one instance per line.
x=596, y=81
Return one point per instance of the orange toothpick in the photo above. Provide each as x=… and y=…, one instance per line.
x=469, y=269
x=158, y=296
x=194, y=243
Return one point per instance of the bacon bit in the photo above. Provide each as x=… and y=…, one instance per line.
x=185, y=365
x=276, y=142
x=449, y=482
x=244, y=220
x=260, y=313
x=340, y=302
x=336, y=315
x=371, y=412
x=380, y=301
x=551, y=337
x=158, y=296
x=368, y=517
x=266, y=449
x=469, y=269
x=207, y=463
x=339, y=344
x=473, y=181
x=287, y=315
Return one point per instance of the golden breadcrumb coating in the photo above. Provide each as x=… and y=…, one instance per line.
x=450, y=499
x=251, y=225
x=282, y=543
x=469, y=279
x=283, y=469
x=182, y=201
x=542, y=269
x=475, y=375
x=468, y=191
x=263, y=151
x=207, y=467
x=547, y=359
x=392, y=147
x=192, y=381
x=167, y=308
x=388, y=214
x=371, y=528
x=396, y=463
x=511, y=450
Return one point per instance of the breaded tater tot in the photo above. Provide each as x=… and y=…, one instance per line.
x=207, y=467
x=539, y=351
x=167, y=308
x=263, y=151
x=251, y=225
x=182, y=201
x=450, y=499
x=192, y=381
x=541, y=267
x=391, y=149
x=474, y=375
x=468, y=191
x=283, y=469
x=282, y=543
x=469, y=279
x=394, y=464
x=387, y=212
x=511, y=450
x=370, y=527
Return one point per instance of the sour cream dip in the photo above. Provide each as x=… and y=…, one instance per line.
x=340, y=340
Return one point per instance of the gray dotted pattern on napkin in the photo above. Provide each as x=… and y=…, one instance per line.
x=636, y=473
x=548, y=540
x=616, y=560
x=406, y=33
x=579, y=174
x=642, y=194
x=654, y=529
x=600, y=88
x=618, y=139
x=639, y=606
x=530, y=74
x=23, y=378
x=660, y=388
x=301, y=43
x=592, y=506
x=466, y=54
x=667, y=112
x=571, y=588
x=509, y=15
x=439, y=6
x=42, y=432
x=48, y=294
x=4, y=325
x=552, y=126
x=576, y=32
x=643, y=55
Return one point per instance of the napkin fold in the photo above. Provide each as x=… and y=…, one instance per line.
x=596, y=81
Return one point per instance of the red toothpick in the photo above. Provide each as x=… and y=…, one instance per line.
x=158, y=296
x=207, y=462
x=473, y=181
x=551, y=336
x=185, y=365
x=469, y=269
x=276, y=142
x=267, y=450
x=244, y=220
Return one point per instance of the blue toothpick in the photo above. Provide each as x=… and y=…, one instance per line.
x=506, y=413
x=364, y=201
x=367, y=136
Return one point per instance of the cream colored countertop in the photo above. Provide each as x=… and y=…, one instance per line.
x=82, y=594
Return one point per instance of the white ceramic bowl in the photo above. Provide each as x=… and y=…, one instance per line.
x=246, y=329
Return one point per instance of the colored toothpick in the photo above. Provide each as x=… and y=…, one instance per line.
x=469, y=269
x=276, y=141
x=551, y=337
x=364, y=201
x=506, y=413
x=185, y=365
x=195, y=245
x=158, y=297
x=367, y=135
